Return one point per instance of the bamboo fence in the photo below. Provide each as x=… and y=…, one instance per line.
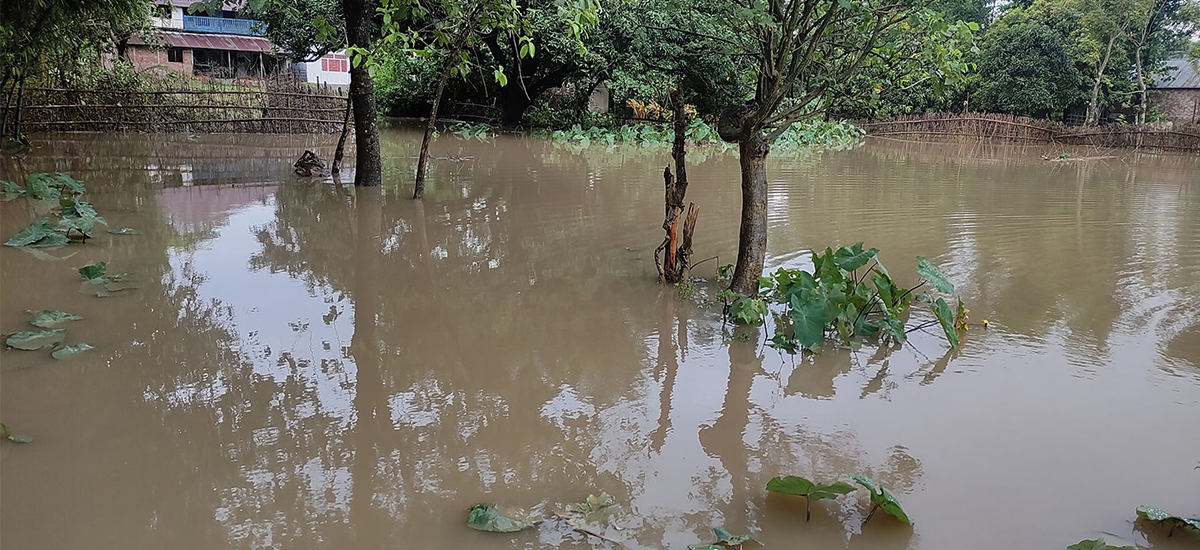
x=271, y=106
x=972, y=126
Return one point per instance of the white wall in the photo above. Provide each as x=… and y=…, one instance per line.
x=175, y=22
x=333, y=69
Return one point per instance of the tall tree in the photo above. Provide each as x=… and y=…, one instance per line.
x=360, y=28
x=1107, y=21
x=803, y=52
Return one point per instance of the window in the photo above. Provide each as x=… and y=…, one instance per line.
x=175, y=55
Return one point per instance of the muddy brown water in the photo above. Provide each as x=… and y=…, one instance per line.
x=298, y=367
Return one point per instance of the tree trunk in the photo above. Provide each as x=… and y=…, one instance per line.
x=423, y=158
x=1093, y=112
x=752, y=237
x=17, y=115
x=368, y=169
x=678, y=241
x=513, y=107
x=341, y=146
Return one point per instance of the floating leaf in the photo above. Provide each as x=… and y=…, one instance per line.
x=39, y=234
x=1097, y=544
x=36, y=339
x=14, y=437
x=13, y=188
x=67, y=351
x=941, y=310
x=125, y=231
x=881, y=499
x=934, y=276
x=725, y=540
x=594, y=512
x=94, y=271
x=47, y=318
x=793, y=485
x=485, y=517
x=854, y=257
x=1154, y=514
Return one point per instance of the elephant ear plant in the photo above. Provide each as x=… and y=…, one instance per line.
x=798, y=486
x=881, y=499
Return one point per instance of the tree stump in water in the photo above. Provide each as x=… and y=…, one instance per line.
x=310, y=165
x=678, y=242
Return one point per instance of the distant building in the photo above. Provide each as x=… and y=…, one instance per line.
x=224, y=45
x=332, y=68
x=1178, y=92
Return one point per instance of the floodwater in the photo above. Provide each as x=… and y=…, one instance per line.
x=303, y=366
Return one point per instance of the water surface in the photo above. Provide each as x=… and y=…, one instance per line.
x=306, y=366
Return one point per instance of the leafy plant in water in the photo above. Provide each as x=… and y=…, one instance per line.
x=1097, y=544
x=47, y=318
x=1159, y=516
x=798, y=486
x=39, y=234
x=97, y=281
x=836, y=299
x=481, y=132
x=78, y=216
x=67, y=351
x=745, y=310
x=10, y=188
x=13, y=437
x=36, y=339
x=725, y=540
x=486, y=517
x=593, y=515
x=881, y=499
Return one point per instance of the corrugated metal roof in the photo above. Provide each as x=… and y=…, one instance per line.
x=228, y=42
x=1183, y=73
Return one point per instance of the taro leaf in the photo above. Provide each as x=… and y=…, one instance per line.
x=881, y=499
x=39, y=234
x=1097, y=544
x=895, y=328
x=47, y=318
x=42, y=186
x=94, y=271
x=10, y=187
x=934, y=276
x=73, y=185
x=485, y=517
x=125, y=231
x=792, y=485
x=808, y=320
x=725, y=540
x=941, y=310
x=67, y=351
x=36, y=339
x=14, y=437
x=854, y=257
x=80, y=216
x=599, y=511
x=1154, y=514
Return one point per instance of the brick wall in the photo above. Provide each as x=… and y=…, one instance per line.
x=144, y=57
x=1181, y=106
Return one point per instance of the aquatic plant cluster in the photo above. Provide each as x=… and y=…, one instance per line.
x=836, y=301
x=829, y=134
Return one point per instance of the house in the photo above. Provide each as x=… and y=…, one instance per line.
x=223, y=45
x=1177, y=93
x=332, y=68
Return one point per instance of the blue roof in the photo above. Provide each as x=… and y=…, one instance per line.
x=1182, y=73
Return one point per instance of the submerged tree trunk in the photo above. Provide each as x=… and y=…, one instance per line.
x=752, y=236
x=341, y=146
x=513, y=107
x=678, y=242
x=367, y=165
x=423, y=158
x=17, y=115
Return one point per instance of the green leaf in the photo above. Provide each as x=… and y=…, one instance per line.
x=798, y=486
x=595, y=513
x=42, y=186
x=36, y=339
x=70, y=184
x=67, y=351
x=485, y=517
x=80, y=216
x=934, y=276
x=47, y=318
x=882, y=499
x=14, y=437
x=854, y=257
x=39, y=234
x=1097, y=544
x=1156, y=515
x=808, y=320
x=94, y=271
x=894, y=328
x=941, y=310
x=725, y=540
x=10, y=187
